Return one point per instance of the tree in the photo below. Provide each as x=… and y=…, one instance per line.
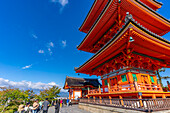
x=160, y=77
x=17, y=97
x=50, y=93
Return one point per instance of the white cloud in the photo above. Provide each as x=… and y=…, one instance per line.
x=26, y=67
x=50, y=44
x=50, y=52
x=28, y=85
x=64, y=43
x=62, y=2
x=41, y=51
x=34, y=36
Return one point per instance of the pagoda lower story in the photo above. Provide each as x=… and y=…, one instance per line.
x=129, y=83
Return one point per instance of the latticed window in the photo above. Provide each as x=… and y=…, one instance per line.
x=124, y=79
x=113, y=81
x=134, y=77
x=152, y=79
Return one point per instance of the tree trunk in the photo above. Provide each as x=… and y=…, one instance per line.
x=160, y=79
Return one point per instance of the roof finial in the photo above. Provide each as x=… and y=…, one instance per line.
x=128, y=16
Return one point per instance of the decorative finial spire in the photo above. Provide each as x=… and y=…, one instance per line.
x=128, y=16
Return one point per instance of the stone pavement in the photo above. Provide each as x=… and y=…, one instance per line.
x=70, y=109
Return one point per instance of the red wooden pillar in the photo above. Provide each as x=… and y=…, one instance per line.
x=99, y=90
x=110, y=99
x=88, y=99
x=120, y=97
x=100, y=99
x=163, y=96
x=73, y=94
x=69, y=94
x=81, y=93
x=136, y=86
x=94, y=99
x=108, y=83
x=153, y=96
x=141, y=103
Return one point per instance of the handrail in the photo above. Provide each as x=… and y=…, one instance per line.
x=136, y=104
x=128, y=87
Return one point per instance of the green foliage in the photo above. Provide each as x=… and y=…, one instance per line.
x=17, y=97
x=50, y=93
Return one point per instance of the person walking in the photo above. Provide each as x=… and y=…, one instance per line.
x=70, y=103
x=27, y=108
x=61, y=103
x=57, y=106
x=21, y=109
x=45, y=106
x=67, y=102
x=35, y=106
x=40, y=103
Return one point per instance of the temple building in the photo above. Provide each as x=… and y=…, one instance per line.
x=126, y=39
x=78, y=87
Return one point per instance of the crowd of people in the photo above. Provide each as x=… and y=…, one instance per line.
x=42, y=106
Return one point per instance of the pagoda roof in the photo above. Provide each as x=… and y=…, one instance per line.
x=72, y=82
x=98, y=7
x=149, y=19
x=93, y=14
x=152, y=4
x=145, y=43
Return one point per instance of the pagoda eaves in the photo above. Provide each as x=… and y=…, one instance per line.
x=152, y=4
x=146, y=46
x=93, y=14
x=106, y=25
x=98, y=7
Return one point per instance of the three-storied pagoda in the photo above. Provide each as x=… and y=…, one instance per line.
x=125, y=36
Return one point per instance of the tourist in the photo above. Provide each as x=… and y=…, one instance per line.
x=35, y=106
x=61, y=103
x=21, y=109
x=40, y=103
x=78, y=99
x=45, y=106
x=70, y=103
x=67, y=102
x=57, y=106
x=27, y=108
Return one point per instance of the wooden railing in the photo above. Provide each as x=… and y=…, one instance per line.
x=147, y=105
x=122, y=88
x=150, y=87
x=95, y=91
x=128, y=88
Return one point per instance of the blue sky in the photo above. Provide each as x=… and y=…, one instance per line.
x=39, y=39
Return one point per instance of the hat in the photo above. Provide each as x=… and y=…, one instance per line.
x=28, y=103
x=21, y=107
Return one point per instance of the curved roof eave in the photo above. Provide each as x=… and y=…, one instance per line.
x=109, y=5
x=120, y=31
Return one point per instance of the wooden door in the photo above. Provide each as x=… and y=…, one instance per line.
x=145, y=79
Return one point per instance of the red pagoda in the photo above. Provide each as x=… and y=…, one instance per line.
x=125, y=37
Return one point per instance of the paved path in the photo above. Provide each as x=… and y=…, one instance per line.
x=70, y=109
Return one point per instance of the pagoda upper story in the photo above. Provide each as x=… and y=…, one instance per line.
x=106, y=18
